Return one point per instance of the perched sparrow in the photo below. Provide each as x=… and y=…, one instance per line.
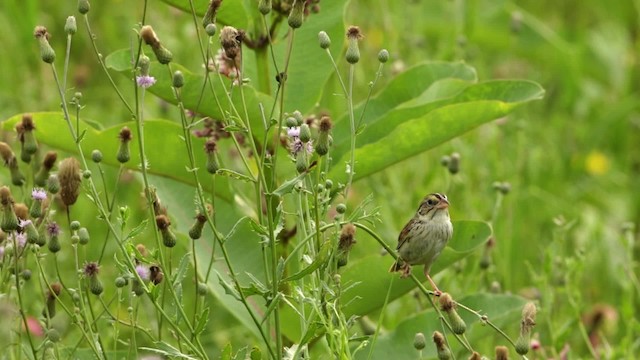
x=425, y=235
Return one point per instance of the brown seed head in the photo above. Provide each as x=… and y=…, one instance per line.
x=210, y=146
x=50, y=160
x=502, y=353
x=528, y=316
x=353, y=32
x=325, y=124
x=91, y=269
x=438, y=339
x=201, y=218
x=21, y=210
x=70, y=180
x=27, y=123
x=163, y=222
x=6, y=153
x=156, y=274
x=54, y=292
x=149, y=36
x=142, y=249
x=475, y=356
x=40, y=32
x=230, y=39
x=446, y=302
x=347, y=237
x=125, y=135
x=5, y=196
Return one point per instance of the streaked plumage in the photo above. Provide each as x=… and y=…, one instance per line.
x=425, y=236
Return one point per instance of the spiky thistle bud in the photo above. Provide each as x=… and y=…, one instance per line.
x=168, y=237
x=210, y=149
x=96, y=156
x=353, y=52
x=155, y=274
x=29, y=143
x=29, y=230
x=298, y=116
x=383, y=56
x=49, y=310
x=70, y=26
x=305, y=133
x=83, y=6
x=47, y=164
x=163, y=55
x=502, y=353
x=53, y=184
x=125, y=137
x=211, y=29
x=301, y=162
x=9, y=221
x=264, y=7
x=449, y=307
x=210, y=15
x=441, y=346
x=528, y=321
x=121, y=282
x=296, y=15
x=322, y=146
x=419, y=341
x=83, y=235
x=144, y=63
x=53, y=231
x=178, y=79
x=195, y=232
x=26, y=274
x=91, y=270
x=324, y=40
x=47, y=54
x=70, y=180
x=345, y=243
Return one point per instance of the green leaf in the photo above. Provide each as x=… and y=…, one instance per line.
x=398, y=343
x=370, y=276
x=234, y=175
x=137, y=230
x=320, y=260
x=227, y=352
x=163, y=141
x=426, y=121
x=229, y=13
x=201, y=321
x=255, y=354
x=165, y=349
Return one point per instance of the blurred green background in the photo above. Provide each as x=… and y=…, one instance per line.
x=572, y=159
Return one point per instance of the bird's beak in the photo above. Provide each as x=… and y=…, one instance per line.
x=443, y=204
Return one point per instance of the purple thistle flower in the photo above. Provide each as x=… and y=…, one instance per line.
x=143, y=272
x=53, y=229
x=294, y=132
x=20, y=239
x=24, y=223
x=297, y=145
x=145, y=81
x=38, y=194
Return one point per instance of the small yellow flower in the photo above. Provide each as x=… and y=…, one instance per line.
x=596, y=163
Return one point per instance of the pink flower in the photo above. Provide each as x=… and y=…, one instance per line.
x=145, y=81
x=294, y=132
x=143, y=272
x=38, y=194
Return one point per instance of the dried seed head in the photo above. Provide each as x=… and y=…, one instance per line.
x=446, y=302
x=27, y=123
x=91, y=269
x=70, y=180
x=55, y=291
x=125, y=134
x=230, y=39
x=155, y=274
x=41, y=32
x=210, y=15
x=438, y=339
x=47, y=54
x=475, y=356
x=6, y=153
x=142, y=250
x=325, y=124
x=162, y=222
x=347, y=237
x=149, y=36
x=529, y=316
x=49, y=160
x=21, y=210
x=5, y=196
x=502, y=353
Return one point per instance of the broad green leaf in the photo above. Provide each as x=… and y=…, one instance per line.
x=163, y=141
x=409, y=130
x=502, y=310
x=370, y=275
x=229, y=13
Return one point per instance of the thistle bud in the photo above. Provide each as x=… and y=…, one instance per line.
x=305, y=133
x=83, y=6
x=454, y=163
x=144, y=63
x=53, y=231
x=449, y=307
x=322, y=146
x=70, y=180
x=121, y=282
x=30, y=230
x=53, y=184
x=29, y=143
x=419, y=341
x=298, y=116
x=83, y=235
x=47, y=164
x=155, y=274
x=324, y=40
x=17, y=178
x=47, y=54
x=96, y=156
x=178, y=79
x=441, y=346
x=291, y=122
x=26, y=274
x=301, y=162
x=296, y=14
x=264, y=7
x=211, y=29
x=383, y=56
x=527, y=323
x=91, y=271
x=195, y=232
x=210, y=16
x=137, y=288
x=50, y=302
x=341, y=208
x=163, y=55
x=210, y=148
x=9, y=221
x=123, y=154
x=353, y=52
x=168, y=238
x=502, y=353
x=345, y=243
x=203, y=289
x=70, y=26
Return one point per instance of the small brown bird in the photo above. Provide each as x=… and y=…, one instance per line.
x=421, y=241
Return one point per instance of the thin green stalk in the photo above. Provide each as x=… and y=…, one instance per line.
x=20, y=302
x=352, y=127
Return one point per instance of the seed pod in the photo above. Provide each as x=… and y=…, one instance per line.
x=70, y=180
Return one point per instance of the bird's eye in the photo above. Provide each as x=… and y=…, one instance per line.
x=432, y=202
